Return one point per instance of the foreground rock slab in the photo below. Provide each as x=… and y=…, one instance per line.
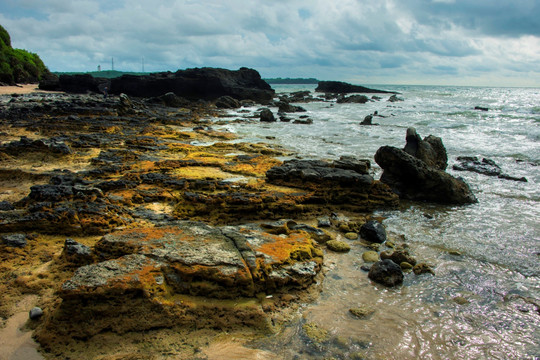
x=183, y=274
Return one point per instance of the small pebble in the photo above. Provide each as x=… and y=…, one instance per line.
x=351, y=235
x=35, y=313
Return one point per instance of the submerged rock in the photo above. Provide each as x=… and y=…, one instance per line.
x=485, y=167
x=386, y=272
x=373, y=231
x=266, y=115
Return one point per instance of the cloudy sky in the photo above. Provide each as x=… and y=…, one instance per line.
x=454, y=42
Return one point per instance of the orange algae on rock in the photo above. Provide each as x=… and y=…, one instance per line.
x=187, y=274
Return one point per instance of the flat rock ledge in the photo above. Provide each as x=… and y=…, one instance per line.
x=187, y=274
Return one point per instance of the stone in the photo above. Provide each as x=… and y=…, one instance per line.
x=367, y=120
x=370, y=256
x=460, y=300
x=430, y=150
x=362, y=311
x=423, y=268
x=332, y=184
x=35, y=313
x=373, y=231
x=386, y=272
x=14, y=240
x=338, y=246
x=315, y=333
x=481, y=108
x=227, y=102
x=342, y=88
x=395, y=98
x=485, y=166
x=404, y=265
x=6, y=206
x=413, y=179
x=285, y=107
x=318, y=235
x=266, y=115
x=77, y=253
x=324, y=222
x=356, y=99
x=351, y=235
x=399, y=256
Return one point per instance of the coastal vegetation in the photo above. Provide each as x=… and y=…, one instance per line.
x=18, y=65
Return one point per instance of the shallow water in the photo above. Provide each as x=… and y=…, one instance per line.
x=497, y=274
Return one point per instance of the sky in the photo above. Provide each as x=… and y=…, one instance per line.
x=431, y=42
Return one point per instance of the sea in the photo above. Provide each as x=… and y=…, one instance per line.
x=484, y=300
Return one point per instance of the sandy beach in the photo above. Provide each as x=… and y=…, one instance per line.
x=20, y=89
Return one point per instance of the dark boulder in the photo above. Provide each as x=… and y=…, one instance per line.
x=35, y=313
x=430, y=150
x=373, y=231
x=386, y=272
x=266, y=115
x=356, y=99
x=481, y=108
x=227, y=102
x=394, y=98
x=197, y=83
x=367, y=120
x=343, y=88
x=413, y=179
x=24, y=145
x=285, y=107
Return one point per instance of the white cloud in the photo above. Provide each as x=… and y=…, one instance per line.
x=383, y=41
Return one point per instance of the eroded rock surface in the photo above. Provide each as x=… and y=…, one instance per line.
x=172, y=269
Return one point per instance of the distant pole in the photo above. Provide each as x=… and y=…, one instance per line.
x=143, y=64
x=99, y=68
x=112, y=63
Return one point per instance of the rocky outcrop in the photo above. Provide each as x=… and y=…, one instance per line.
x=181, y=270
x=266, y=115
x=422, y=177
x=430, y=150
x=343, y=182
x=485, y=166
x=344, y=88
x=197, y=83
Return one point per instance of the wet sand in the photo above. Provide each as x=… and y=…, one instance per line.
x=15, y=341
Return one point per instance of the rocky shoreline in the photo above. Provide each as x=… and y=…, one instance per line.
x=127, y=214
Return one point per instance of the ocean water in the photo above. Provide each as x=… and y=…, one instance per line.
x=482, y=304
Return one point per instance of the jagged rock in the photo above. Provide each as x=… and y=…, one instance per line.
x=197, y=83
x=386, y=272
x=343, y=88
x=373, y=231
x=367, y=120
x=330, y=182
x=266, y=115
x=77, y=253
x=413, y=179
x=485, y=167
x=430, y=150
x=14, y=240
